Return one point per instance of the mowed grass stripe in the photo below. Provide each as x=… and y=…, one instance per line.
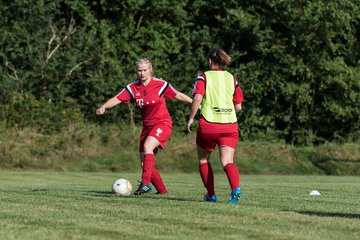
x=58, y=205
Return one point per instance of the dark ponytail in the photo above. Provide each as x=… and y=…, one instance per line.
x=219, y=57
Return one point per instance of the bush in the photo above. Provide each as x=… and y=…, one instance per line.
x=24, y=110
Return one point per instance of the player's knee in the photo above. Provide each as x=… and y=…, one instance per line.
x=225, y=162
x=148, y=148
x=203, y=161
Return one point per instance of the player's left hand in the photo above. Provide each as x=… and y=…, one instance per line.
x=189, y=124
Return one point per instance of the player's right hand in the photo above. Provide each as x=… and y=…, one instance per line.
x=100, y=111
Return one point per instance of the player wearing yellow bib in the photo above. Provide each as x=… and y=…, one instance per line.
x=220, y=97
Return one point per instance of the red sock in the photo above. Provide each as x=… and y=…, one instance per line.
x=157, y=181
x=148, y=166
x=233, y=175
x=207, y=177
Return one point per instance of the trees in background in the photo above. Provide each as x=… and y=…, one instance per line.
x=297, y=61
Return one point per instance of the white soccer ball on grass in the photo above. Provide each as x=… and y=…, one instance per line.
x=122, y=187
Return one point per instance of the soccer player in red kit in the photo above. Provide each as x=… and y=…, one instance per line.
x=149, y=94
x=220, y=98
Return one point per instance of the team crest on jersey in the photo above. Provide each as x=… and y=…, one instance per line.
x=158, y=132
x=138, y=94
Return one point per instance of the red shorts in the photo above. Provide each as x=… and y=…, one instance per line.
x=208, y=141
x=161, y=132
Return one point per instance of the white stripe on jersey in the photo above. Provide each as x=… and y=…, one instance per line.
x=192, y=92
x=129, y=89
x=173, y=89
x=120, y=93
x=163, y=87
x=200, y=78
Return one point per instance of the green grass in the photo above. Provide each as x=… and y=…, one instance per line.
x=58, y=205
x=112, y=148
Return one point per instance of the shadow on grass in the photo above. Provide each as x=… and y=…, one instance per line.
x=99, y=193
x=171, y=198
x=39, y=190
x=153, y=196
x=324, y=214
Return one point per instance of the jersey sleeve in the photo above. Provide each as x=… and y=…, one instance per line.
x=170, y=92
x=238, y=94
x=124, y=96
x=200, y=84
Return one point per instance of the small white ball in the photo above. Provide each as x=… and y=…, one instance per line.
x=122, y=187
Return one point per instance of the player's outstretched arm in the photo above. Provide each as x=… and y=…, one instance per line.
x=112, y=102
x=194, y=108
x=183, y=98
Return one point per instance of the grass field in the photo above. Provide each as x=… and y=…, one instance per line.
x=58, y=205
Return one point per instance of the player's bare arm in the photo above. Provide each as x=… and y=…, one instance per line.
x=238, y=107
x=183, y=98
x=194, y=108
x=112, y=102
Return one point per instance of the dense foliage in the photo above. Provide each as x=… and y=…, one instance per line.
x=297, y=61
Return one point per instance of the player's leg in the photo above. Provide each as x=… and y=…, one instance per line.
x=206, y=174
x=150, y=145
x=205, y=145
x=162, y=133
x=158, y=183
x=156, y=137
x=227, y=147
x=156, y=178
x=231, y=170
x=148, y=162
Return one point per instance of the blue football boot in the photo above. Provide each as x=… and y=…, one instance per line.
x=234, y=196
x=213, y=198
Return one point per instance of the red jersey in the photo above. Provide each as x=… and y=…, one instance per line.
x=208, y=127
x=150, y=99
